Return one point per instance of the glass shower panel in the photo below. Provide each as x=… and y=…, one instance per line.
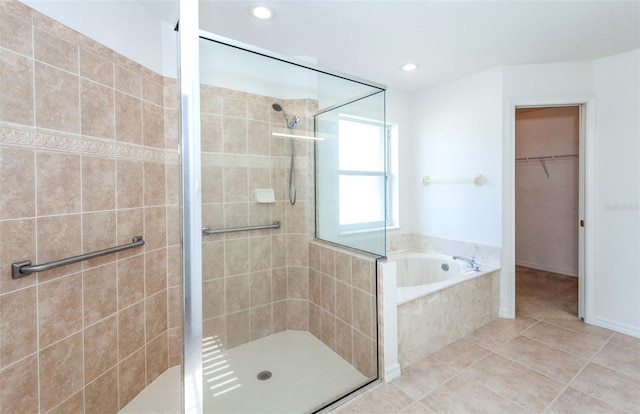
x=351, y=174
x=261, y=351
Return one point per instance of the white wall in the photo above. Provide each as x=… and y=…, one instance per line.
x=617, y=192
x=457, y=134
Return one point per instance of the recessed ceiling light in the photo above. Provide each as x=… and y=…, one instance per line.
x=409, y=67
x=262, y=12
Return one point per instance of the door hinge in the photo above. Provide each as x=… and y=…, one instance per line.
x=581, y=223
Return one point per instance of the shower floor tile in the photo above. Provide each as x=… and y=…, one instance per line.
x=305, y=375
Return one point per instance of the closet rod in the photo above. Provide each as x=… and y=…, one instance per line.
x=546, y=157
x=22, y=269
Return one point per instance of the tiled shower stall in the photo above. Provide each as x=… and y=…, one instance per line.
x=88, y=160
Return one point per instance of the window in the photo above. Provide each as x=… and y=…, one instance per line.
x=365, y=149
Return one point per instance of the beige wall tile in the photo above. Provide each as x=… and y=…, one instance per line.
x=98, y=232
x=210, y=102
x=328, y=302
x=128, y=118
x=156, y=315
x=344, y=305
x=96, y=68
x=98, y=184
x=131, y=323
x=260, y=253
x=212, y=260
x=130, y=225
x=235, y=181
x=362, y=274
x=363, y=354
x=234, y=135
x=17, y=183
x=259, y=138
x=261, y=324
x=328, y=322
x=59, y=237
x=238, y=328
x=174, y=185
x=174, y=266
x=55, y=51
x=298, y=315
x=19, y=386
x=131, y=377
x=279, y=317
x=211, y=132
x=16, y=99
x=59, y=309
x=154, y=184
x=327, y=261
x=15, y=34
x=55, y=28
x=344, y=340
x=97, y=110
x=127, y=81
x=157, y=357
x=297, y=250
x=171, y=129
x=155, y=271
x=22, y=234
x=60, y=371
x=279, y=284
x=236, y=259
x=154, y=228
x=213, y=294
x=57, y=99
x=100, y=348
x=152, y=91
x=58, y=183
x=343, y=267
x=298, y=283
x=18, y=329
x=152, y=125
x=174, y=340
x=260, y=288
x=101, y=396
x=236, y=289
x=362, y=312
x=315, y=320
x=174, y=307
x=100, y=293
x=129, y=183
x=130, y=281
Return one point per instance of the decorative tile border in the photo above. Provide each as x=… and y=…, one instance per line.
x=28, y=137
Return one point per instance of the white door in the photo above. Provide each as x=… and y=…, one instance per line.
x=581, y=213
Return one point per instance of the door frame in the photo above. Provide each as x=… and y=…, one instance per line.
x=586, y=200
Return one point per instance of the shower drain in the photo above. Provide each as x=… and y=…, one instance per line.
x=264, y=375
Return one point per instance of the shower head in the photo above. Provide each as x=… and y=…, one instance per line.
x=290, y=123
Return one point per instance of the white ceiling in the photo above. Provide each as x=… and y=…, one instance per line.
x=448, y=39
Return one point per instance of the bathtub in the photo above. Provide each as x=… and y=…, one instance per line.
x=420, y=274
x=438, y=300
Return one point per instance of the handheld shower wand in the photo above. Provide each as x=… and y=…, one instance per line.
x=293, y=190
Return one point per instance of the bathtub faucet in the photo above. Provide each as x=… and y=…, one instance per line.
x=474, y=266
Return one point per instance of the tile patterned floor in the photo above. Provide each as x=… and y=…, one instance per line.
x=547, y=361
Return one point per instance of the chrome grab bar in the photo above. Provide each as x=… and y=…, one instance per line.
x=22, y=269
x=206, y=231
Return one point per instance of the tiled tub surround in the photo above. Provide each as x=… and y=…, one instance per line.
x=435, y=320
x=88, y=160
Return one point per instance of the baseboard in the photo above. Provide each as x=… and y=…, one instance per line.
x=391, y=373
x=615, y=326
x=537, y=266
